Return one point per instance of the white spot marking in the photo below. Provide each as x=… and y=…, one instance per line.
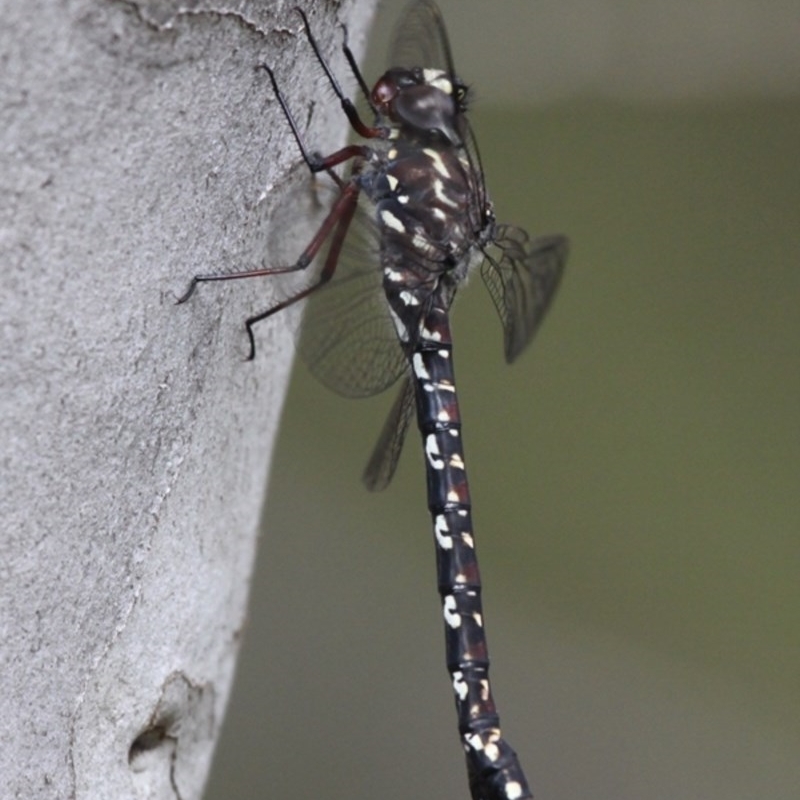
x=440, y=529
x=492, y=751
x=437, y=163
x=419, y=367
x=484, y=689
x=402, y=331
x=409, y=298
x=431, y=336
x=439, y=79
x=443, y=416
x=393, y=275
x=474, y=742
x=392, y=181
x=468, y=540
x=443, y=353
x=478, y=619
x=460, y=685
x=402, y=199
x=461, y=578
x=513, y=790
x=456, y=462
x=451, y=617
x=445, y=386
x=438, y=213
x=391, y=221
x=432, y=451
x=421, y=242
x=453, y=496
x=441, y=195
x=392, y=154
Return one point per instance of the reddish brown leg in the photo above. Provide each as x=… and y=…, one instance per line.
x=339, y=219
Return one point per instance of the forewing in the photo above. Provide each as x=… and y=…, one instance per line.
x=348, y=340
x=420, y=39
x=475, y=175
x=386, y=453
x=522, y=275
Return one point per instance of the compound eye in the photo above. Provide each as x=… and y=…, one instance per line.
x=384, y=92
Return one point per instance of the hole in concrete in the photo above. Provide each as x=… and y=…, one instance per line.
x=149, y=739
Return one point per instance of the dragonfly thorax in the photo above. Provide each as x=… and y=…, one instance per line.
x=432, y=226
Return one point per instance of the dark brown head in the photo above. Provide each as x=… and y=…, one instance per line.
x=422, y=102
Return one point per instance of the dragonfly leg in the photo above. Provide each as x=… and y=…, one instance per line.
x=362, y=84
x=338, y=221
x=358, y=125
x=315, y=162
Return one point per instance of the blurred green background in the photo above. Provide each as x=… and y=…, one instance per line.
x=636, y=485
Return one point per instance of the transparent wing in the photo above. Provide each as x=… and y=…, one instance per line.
x=347, y=337
x=383, y=462
x=522, y=275
x=420, y=39
x=475, y=175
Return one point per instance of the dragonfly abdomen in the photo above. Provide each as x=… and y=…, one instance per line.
x=492, y=763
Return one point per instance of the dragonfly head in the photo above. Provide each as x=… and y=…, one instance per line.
x=422, y=102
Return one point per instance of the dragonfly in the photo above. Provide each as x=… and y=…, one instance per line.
x=378, y=314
